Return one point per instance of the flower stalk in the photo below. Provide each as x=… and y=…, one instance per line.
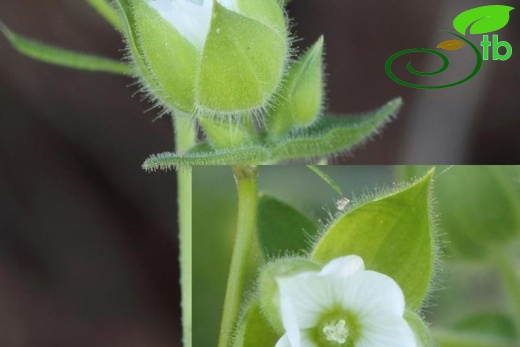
x=247, y=186
x=185, y=138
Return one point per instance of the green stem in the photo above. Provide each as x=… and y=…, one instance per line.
x=246, y=180
x=185, y=138
x=457, y=339
x=511, y=279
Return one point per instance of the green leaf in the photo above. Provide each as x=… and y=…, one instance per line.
x=105, y=9
x=483, y=20
x=393, y=235
x=423, y=336
x=61, y=57
x=282, y=228
x=327, y=137
x=326, y=178
x=203, y=154
x=332, y=135
x=254, y=330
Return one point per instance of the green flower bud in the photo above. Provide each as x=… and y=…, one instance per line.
x=301, y=99
x=208, y=57
x=268, y=288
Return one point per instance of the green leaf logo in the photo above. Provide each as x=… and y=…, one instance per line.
x=483, y=20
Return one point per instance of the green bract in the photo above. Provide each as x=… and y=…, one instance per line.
x=393, y=234
x=219, y=58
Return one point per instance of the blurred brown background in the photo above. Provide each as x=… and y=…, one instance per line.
x=87, y=239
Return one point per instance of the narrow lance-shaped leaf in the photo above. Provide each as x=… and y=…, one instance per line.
x=282, y=228
x=105, y=9
x=393, y=235
x=331, y=135
x=326, y=178
x=62, y=57
x=203, y=154
x=482, y=20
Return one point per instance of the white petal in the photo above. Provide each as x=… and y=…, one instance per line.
x=283, y=342
x=370, y=292
x=380, y=331
x=230, y=4
x=191, y=19
x=290, y=322
x=303, y=298
x=344, y=266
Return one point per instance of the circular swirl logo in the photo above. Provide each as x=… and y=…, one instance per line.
x=480, y=20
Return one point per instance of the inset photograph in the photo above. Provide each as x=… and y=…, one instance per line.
x=323, y=256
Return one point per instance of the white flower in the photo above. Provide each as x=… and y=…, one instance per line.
x=191, y=18
x=343, y=305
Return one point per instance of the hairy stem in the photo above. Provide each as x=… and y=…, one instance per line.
x=246, y=180
x=185, y=138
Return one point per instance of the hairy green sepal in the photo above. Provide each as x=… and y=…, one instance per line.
x=301, y=98
x=242, y=64
x=393, y=234
x=170, y=59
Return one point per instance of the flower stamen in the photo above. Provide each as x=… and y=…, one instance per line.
x=338, y=332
